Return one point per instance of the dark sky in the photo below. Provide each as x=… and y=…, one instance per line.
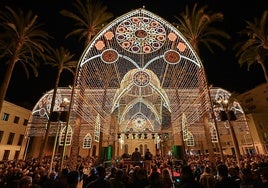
x=221, y=67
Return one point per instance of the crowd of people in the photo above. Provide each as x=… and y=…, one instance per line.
x=146, y=171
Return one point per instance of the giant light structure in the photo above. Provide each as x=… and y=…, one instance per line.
x=138, y=75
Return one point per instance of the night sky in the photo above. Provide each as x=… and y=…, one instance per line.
x=221, y=67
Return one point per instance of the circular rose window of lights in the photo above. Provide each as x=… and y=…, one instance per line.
x=139, y=123
x=172, y=57
x=141, y=78
x=140, y=35
x=109, y=56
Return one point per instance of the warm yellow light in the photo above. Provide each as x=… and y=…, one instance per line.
x=66, y=100
x=225, y=101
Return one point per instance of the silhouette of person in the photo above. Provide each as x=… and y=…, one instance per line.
x=136, y=157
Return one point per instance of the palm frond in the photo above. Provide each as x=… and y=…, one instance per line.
x=196, y=25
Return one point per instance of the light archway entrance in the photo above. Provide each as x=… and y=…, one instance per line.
x=143, y=80
x=139, y=84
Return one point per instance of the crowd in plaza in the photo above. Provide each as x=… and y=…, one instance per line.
x=155, y=171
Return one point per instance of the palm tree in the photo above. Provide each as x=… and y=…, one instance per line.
x=197, y=26
x=61, y=59
x=22, y=41
x=89, y=16
x=255, y=47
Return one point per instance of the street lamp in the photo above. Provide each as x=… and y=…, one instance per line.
x=228, y=115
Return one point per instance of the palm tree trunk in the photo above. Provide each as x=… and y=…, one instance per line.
x=44, y=145
x=264, y=70
x=75, y=144
x=204, y=90
x=76, y=130
x=183, y=154
x=6, y=81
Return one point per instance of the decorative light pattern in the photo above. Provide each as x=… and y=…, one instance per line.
x=171, y=77
x=138, y=123
x=184, y=125
x=140, y=35
x=109, y=56
x=213, y=133
x=141, y=78
x=97, y=129
x=190, y=139
x=157, y=141
x=121, y=142
x=172, y=57
x=43, y=106
x=68, y=138
x=233, y=104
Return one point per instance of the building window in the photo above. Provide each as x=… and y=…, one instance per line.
x=16, y=120
x=20, y=139
x=25, y=122
x=190, y=140
x=10, y=138
x=1, y=135
x=5, y=117
x=68, y=137
x=6, y=154
x=17, y=153
x=87, y=141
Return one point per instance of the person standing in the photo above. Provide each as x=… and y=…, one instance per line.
x=223, y=179
x=25, y=182
x=91, y=177
x=117, y=181
x=207, y=179
x=148, y=159
x=187, y=179
x=101, y=181
x=167, y=179
x=148, y=155
x=136, y=157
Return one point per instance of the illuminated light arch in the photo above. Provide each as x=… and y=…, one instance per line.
x=142, y=14
x=234, y=105
x=138, y=123
x=42, y=108
x=140, y=100
x=37, y=123
x=105, y=86
x=128, y=83
x=172, y=64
